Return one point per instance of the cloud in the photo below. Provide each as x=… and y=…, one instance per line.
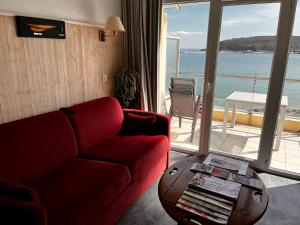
x=270, y=11
x=261, y=13
x=185, y=33
x=239, y=21
x=297, y=21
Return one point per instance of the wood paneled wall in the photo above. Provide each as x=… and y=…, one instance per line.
x=41, y=75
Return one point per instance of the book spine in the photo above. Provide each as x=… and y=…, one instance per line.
x=196, y=206
x=199, y=192
x=200, y=213
x=206, y=205
x=231, y=198
x=209, y=200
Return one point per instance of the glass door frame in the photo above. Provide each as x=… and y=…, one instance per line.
x=275, y=87
x=175, y=147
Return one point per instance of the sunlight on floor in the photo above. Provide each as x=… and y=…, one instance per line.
x=241, y=140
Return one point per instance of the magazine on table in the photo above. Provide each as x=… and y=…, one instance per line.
x=197, y=167
x=220, y=172
x=234, y=165
x=224, y=188
x=247, y=182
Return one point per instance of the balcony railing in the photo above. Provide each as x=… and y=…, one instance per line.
x=254, y=78
x=293, y=112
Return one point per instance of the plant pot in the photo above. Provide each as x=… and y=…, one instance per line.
x=126, y=102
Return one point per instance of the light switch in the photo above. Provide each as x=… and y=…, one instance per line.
x=104, y=77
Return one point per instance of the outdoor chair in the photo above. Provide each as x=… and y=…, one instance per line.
x=184, y=102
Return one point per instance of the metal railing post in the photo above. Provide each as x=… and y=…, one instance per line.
x=253, y=91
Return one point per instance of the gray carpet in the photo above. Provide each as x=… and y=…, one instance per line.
x=283, y=209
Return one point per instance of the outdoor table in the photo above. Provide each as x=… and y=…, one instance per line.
x=256, y=99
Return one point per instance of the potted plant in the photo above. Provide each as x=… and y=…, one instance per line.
x=127, y=86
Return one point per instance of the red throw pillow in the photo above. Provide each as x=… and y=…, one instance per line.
x=135, y=124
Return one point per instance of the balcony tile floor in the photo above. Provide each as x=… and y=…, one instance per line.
x=241, y=140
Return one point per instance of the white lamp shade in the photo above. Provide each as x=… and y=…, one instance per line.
x=114, y=23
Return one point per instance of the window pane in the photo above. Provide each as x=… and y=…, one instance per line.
x=244, y=66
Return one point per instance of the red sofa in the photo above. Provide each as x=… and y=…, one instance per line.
x=83, y=165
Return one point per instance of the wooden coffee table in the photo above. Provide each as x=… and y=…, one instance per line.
x=249, y=208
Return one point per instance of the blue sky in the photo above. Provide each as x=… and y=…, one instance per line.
x=191, y=22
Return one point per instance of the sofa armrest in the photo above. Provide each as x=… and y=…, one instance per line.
x=19, y=204
x=161, y=125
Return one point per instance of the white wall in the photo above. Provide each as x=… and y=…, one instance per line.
x=86, y=11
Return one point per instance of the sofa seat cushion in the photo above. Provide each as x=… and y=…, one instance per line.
x=76, y=192
x=139, y=153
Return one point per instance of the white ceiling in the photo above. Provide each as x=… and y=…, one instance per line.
x=86, y=11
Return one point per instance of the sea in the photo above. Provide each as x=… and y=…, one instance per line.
x=238, y=63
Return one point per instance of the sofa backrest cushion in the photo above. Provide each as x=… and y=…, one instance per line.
x=96, y=121
x=33, y=146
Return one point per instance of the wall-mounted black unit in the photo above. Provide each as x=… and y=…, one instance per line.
x=40, y=28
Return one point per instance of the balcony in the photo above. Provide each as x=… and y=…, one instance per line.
x=243, y=139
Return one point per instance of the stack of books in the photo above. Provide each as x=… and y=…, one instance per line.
x=210, y=197
x=215, y=188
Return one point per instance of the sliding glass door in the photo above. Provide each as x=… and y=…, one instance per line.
x=269, y=52
x=240, y=78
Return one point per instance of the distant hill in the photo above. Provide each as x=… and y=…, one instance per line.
x=256, y=43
